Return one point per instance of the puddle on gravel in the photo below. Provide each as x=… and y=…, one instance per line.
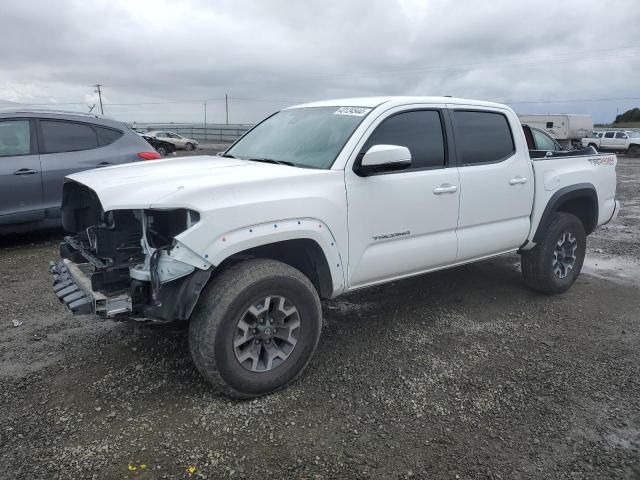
x=623, y=270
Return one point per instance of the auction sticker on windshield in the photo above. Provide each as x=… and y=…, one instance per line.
x=353, y=111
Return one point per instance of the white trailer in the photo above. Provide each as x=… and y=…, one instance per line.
x=568, y=129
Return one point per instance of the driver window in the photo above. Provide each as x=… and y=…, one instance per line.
x=420, y=131
x=621, y=135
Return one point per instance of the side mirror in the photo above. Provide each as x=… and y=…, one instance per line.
x=381, y=157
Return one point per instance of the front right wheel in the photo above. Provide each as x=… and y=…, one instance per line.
x=554, y=264
x=255, y=328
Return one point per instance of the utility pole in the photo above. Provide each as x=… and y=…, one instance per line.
x=226, y=106
x=99, y=92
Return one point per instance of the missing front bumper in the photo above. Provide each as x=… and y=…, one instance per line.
x=72, y=286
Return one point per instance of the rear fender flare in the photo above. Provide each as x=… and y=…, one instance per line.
x=579, y=190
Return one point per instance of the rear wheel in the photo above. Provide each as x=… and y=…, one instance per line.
x=255, y=328
x=554, y=264
x=634, y=150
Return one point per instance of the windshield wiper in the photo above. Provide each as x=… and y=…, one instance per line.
x=271, y=160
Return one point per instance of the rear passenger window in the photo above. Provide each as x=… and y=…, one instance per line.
x=420, y=131
x=107, y=136
x=482, y=137
x=15, y=138
x=61, y=136
x=609, y=134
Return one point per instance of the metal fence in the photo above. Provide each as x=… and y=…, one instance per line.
x=214, y=133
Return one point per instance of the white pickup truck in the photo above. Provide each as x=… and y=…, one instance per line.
x=626, y=141
x=318, y=200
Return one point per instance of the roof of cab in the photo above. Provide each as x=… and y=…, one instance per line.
x=372, y=102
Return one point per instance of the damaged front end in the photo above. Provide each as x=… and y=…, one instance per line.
x=127, y=262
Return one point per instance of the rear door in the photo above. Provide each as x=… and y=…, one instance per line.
x=608, y=140
x=20, y=173
x=67, y=147
x=496, y=182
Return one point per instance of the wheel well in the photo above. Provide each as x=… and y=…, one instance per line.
x=580, y=200
x=305, y=255
x=583, y=208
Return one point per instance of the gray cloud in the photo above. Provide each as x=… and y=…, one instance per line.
x=155, y=51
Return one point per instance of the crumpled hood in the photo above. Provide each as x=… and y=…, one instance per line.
x=173, y=182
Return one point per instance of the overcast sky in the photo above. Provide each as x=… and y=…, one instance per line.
x=269, y=54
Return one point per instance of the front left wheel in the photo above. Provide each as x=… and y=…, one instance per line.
x=255, y=328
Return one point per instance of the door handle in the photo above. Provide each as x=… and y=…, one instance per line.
x=517, y=181
x=445, y=188
x=25, y=171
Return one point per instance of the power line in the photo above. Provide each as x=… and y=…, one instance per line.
x=518, y=102
x=532, y=62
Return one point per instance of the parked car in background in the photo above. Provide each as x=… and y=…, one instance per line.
x=541, y=145
x=626, y=141
x=568, y=129
x=39, y=148
x=181, y=143
x=162, y=147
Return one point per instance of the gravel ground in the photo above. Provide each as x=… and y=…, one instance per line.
x=462, y=374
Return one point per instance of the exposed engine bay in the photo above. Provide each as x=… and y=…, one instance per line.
x=126, y=262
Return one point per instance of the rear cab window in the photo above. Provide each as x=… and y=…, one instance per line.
x=482, y=137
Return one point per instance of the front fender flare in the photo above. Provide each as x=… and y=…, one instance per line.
x=251, y=236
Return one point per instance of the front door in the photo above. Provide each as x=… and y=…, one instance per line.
x=20, y=173
x=496, y=181
x=403, y=222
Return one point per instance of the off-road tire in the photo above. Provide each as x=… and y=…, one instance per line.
x=188, y=146
x=225, y=300
x=537, y=264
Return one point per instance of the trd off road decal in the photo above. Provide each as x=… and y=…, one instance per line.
x=608, y=160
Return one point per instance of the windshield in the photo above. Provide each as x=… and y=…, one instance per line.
x=304, y=137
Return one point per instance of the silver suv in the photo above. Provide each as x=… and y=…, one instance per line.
x=39, y=148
